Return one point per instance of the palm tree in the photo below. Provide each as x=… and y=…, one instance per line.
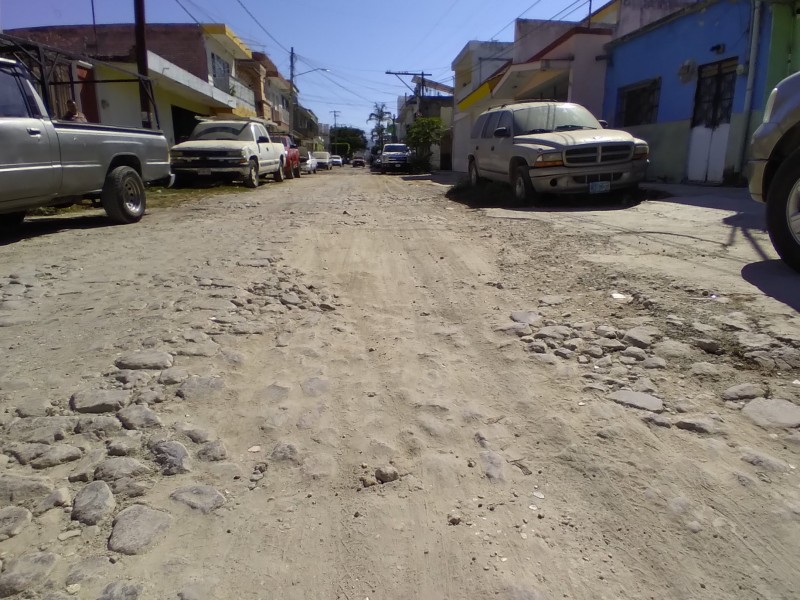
x=379, y=115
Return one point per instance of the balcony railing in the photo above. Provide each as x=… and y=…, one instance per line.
x=232, y=86
x=280, y=115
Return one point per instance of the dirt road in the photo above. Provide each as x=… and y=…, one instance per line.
x=351, y=386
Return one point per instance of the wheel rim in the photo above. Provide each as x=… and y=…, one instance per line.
x=793, y=212
x=253, y=174
x=473, y=174
x=519, y=189
x=132, y=197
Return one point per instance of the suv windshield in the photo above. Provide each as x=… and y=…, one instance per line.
x=548, y=118
x=395, y=148
x=222, y=131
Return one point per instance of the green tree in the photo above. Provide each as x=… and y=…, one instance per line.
x=421, y=135
x=354, y=137
x=379, y=116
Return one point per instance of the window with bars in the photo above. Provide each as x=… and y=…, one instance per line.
x=638, y=103
x=219, y=66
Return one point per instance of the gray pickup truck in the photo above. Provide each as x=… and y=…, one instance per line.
x=45, y=162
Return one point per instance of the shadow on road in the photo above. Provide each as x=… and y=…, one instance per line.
x=33, y=228
x=776, y=280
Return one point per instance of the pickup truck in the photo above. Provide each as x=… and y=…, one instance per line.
x=229, y=149
x=553, y=148
x=395, y=157
x=46, y=162
x=292, y=154
x=774, y=168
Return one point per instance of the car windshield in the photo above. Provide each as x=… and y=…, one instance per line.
x=337, y=157
x=396, y=148
x=222, y=131
x=320, y=155
x=544, y=119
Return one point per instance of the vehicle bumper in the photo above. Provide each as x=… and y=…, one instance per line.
x=578, y=180
x=241, y=170
x=395, y=166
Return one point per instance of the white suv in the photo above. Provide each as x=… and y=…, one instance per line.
x=553, y=148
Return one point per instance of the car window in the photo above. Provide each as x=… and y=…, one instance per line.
x=211, y=130
x=261, y=130
x=477, y=128
x=12, y=99
x=491, y=124
x=533, y=119
x=506, y=121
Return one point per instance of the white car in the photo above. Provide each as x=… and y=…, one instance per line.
x=336, y=160
x=323, y=160
x=308, y=164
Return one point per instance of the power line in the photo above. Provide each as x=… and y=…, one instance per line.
x=514, y=20
x=261, y=27
x=186, y=10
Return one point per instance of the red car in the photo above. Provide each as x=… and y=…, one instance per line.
x=292, y=154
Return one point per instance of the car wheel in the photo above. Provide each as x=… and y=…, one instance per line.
x=11, y=221
x=297, y=171
x=475, y=179
x=279, y=173
x=251, y=180
x=523, y=188
x=288, y=171
x=783, y=211
x=123, y=196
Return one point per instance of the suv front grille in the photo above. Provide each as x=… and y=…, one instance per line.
x=598, y=154
x=584, y=179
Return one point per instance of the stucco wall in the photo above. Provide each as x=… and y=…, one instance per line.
x=587, y=75
x=660, y=52
x=669, y=145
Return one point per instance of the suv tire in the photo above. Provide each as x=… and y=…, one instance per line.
x=524, y=193
x=475, y=180
x=783, y=207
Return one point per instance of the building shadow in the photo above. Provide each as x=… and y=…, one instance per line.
x=776, y=280
x=498, y=195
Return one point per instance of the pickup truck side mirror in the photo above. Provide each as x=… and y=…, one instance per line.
x=292, y=145
x=603, y=124
x=502, y=132
x=262, y=139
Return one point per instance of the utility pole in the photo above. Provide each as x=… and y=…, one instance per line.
x=335, y=114
x=420, y=91
x=141, y=62
x=291, y=90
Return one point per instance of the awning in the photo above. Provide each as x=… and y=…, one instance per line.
x=483, y=91
x=525, y=79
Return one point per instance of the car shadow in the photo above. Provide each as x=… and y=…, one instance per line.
x=42, y=226
x=776, y=280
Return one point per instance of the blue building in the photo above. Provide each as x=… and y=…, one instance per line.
x=694, y=84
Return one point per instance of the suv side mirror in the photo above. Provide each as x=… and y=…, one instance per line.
x=603, y=124
x=262, y=139
x=502, y=132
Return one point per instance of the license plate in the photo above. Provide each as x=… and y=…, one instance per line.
x=599, y=187
x=204, y=171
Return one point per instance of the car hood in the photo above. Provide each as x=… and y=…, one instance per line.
x=212, y=145
x=563, y=140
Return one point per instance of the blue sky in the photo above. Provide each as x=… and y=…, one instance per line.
x=358, y=41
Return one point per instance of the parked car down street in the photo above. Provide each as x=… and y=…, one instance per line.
x=336, y=160
x=358, y=161
x=292, y=165
x=46, y=162
x=553, y=148
x=229, y=150
x=308, y=164
x=323, y=160
x=395, y=157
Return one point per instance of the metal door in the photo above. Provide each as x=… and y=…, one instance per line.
x=711, y=121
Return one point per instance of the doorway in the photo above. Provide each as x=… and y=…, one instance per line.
x=711, y=121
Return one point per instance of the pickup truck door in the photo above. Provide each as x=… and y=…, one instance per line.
x=29, y=155
x=267, y=155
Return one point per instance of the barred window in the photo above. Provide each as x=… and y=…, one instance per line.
x=638, y=103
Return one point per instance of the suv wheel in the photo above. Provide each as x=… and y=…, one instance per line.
x=783, y=211
x=523, y=188
x=474, y=179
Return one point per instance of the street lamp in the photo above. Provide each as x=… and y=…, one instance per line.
x=292, y=76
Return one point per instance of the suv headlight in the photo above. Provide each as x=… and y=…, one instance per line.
x=549, y=159
x=641, y=151
x=176, y=154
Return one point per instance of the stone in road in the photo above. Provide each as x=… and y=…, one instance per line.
x=137, y=528
x=93, y=503
x=26, y=572
x=638, y=400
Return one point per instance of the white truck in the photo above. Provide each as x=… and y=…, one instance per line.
x=46, y=162
x=231, y=149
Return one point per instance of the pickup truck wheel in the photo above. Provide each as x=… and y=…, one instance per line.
x=524, y=193
x=783, y=211
x=123, y=195
x=297, y=171
x=11, y=221
x=251, y=180
x=279, y=173
x=288, y=171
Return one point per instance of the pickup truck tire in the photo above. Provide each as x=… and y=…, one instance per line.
x=297, y=170
x=783, y=211
x=524, y=193
x=279, y=173
x=123, y=196
x=251, y=180
x=11, y=221
x=288, y=171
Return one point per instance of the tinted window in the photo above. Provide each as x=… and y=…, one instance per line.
x=211, y=130
x=535, y=119
x=478, y=127
x=12, y=100
x=491, y=124
x=506, y=121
